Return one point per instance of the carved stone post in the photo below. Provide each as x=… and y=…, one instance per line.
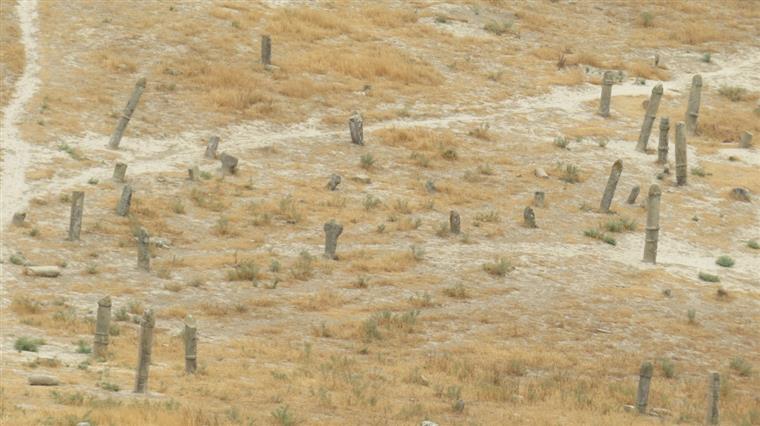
x=193, y=173
x=19, y=218
x=127, y=114
x=681, y=167
x=147, y=324
x=529, y=218
x=604, y=103
x=266, y=50
x=119, y=171
x=191, y=345
x=713, y=398
x=653, y=225
x=642, y=395
x=102, y=327
x=356, y=127
x=538, y=198
x=651, y=114
x=77, y=206
x=122, y=209
x=609, y=190
x=746, y=140
x=692, y=110
x=332, y=185
x=455, y=222
x=143, y=251
x=211, y=147
x=662, y=147
x=633, y=195
x=332, y=232
x=229, y=164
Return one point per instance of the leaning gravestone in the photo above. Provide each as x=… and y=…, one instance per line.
x=651, y=114
x=229, y=164
x=211, y=147
x=122, y=209
x=127, y=114
x=692, y=109
x=609, y=190
x=332, y=232
x=75, y=223
x=356, y=128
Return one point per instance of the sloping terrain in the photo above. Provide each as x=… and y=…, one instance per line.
x=501, y=324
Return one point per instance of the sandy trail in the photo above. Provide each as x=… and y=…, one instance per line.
x=16, y=153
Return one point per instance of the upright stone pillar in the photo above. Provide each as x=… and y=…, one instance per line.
x=122, y=209
x=102, y=327
x=143, y=250
x=147, y=324
x=266, y=50
x=356, y=127
x=692, y=109
x=211, y=147
x=604, y=103
x=332, y=185
x=77, y=207
x=651, y=114
x=609, y=190
x=662, y=147
x=538, y=198
x=19, y=218
x=633, y=195
x=455, y=222
x=229, y=164
x=713, y=398
x=529, y=218
x=127, y=114
x=332, y=232
x=681, y=164
x=191, y=345
x=653, y=225
x=119, y=171
x=746, y=140
x=642, y=395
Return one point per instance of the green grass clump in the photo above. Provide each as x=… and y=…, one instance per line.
x=570, y=173
x=561, y=142
x=620, y=225
x=753, y=244
x=28, y=344
x=457, y=292
x=83, y=347
x=668, y=368
x=733, y=93
x=244, y=271
x=601, y=236
x=710, y=278
x=725, y=261
x=500, y=267
x=367, y=161
x=741, y=366
x=498, y=28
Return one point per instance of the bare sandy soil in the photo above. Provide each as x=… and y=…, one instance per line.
x=409, y=319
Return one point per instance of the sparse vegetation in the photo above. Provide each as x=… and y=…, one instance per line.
x=725, y=261
x=243, y=271
x=457, y=291
x=704, y=276
x=646, y=19
x=83, y=347
x=367, y=161
x=741, y=366
x=28, y=344
x=500, y=267
x=619, y=225
x=753, y=244
x=691, y=314
x=733, y=93
x=570, y=173
x=498, y=28
x=599, y=235
x=561, y=142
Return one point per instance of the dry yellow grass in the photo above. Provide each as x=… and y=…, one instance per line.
x=11, y=51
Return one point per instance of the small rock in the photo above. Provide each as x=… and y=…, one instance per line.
x=430, y=187
x=459, y=406
x=43, y=271
x=540, y=173
x=43, y=380
x=362, y=179
x=428, y=423
x=667, y=292
x=740, y=194
x=332, y=185
x=640, y=81
x=161, y=242
x=660, y=412
x=629, y=408
x=83, y=424
x=18, y=218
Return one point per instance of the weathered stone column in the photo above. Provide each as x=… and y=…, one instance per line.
x=127, y=114
x=609, y=190
x=455, y=222
x=77, y=206
x=332, y=232
x=653, y=225
x=122, y=209
x=692, y=109
x=191, y=345
x=19, y=218
x=713, y=398
x=604, y=103
x=633, y=195
x=211, y=147
x=332, y=185
x=102, y=328
x=529, y=218
x=229, y=164
x=746, y=140
x=193, y=173
x=119, y=171
x=662, y=147
x=538, y=198
x=147, y=324
x=356, y=127
x=651, y=114
x=143, y=250
x=266, y=50
x=642, y=395
x=681, y=165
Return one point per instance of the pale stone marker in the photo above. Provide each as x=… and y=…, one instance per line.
x=126, y=115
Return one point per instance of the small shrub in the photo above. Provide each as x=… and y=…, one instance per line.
x=698, y=171
x=457, y=291
x=707, y=58
x=733, y=93
x=481, y=132
x=83, y=347
x=620, y=225
x=418, y=253
x=274, y=266
x=498, y=28
x=561, y=142
x=490, y=217
x=244, y=271
x=753, y=244
x=602, y=142
x=34, y=232
x=205, y=175
x=570, y=173
x=28, y=344
x=18, y=259
x=500, y=267
x=741, y=366
x=691, y=314
x=93, y=181
x=449, y=154
x=367, y=161
x=725, y=261
x=402, y=206
x=710, y=278
x=289, y=211
x=111, y=387
x=121, y=314
x=303, y=269
x=668, y=368
x=178, y=207
x=646, y=19
x=601, y=236
x=423, y=300
x=442, y=230
x=370, y=202
x=421, y=159
x=362, y=282
x=283, y=416
x=92, y=269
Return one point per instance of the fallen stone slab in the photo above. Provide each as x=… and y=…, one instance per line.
x=43, y=271
x=540, y=173
x=43, y=380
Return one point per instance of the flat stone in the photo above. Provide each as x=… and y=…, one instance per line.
x=362, y=179
x=43, y=271
x=540, y=173
x=428, y=423
x=43, y=380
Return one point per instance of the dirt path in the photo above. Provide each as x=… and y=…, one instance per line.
x=16, y=153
